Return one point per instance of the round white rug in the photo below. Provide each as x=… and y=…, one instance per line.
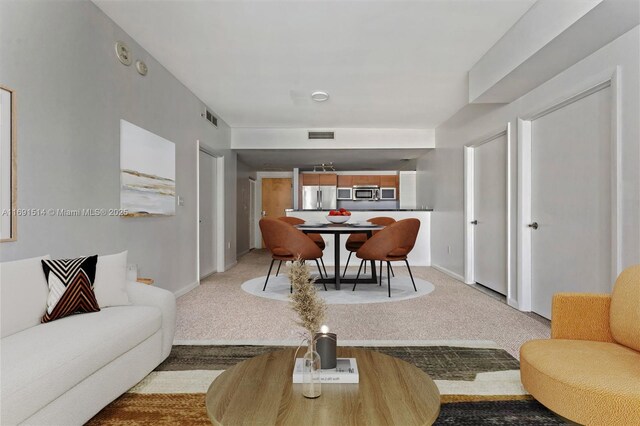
x=401, y=289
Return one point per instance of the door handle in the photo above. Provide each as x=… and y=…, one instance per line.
x=264, y=213
x=474, y=222
x=533, y=225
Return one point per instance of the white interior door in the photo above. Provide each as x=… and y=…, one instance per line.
x=207, y=194
x=490, y=214
x=571, y=200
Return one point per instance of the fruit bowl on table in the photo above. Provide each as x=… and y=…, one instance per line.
x=339, y=216
x=338, y=219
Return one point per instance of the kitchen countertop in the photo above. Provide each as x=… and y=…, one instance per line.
x=363, y=210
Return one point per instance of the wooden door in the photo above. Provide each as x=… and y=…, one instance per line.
x=276, y=197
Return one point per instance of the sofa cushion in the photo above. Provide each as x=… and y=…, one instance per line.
x=587, y=382
x=70, y=286
x=40, y=363
x=111, y=280
x=23, y=294
x=625, y=308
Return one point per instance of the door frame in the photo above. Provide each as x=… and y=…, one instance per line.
x=252, y=213
x=609, y=78
x=469, y=207
x=219, y=210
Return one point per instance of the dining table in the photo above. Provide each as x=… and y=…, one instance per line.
x=337, y=230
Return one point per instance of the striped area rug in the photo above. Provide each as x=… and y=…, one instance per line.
x=479, y=385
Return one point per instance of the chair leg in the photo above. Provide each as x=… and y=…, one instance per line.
x=365, y=268
x=411, y=275
x=320, y=270
x=347, y=264
x=380, y=273
x=325, y=269
x=278, y=270
x=268, y=273
x=392, y=273
x=357, y=276
x=389, y=277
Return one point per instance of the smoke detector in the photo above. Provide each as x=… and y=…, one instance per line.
x=319, y=96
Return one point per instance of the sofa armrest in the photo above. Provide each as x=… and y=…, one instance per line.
x=146, y=295
x=581, y=316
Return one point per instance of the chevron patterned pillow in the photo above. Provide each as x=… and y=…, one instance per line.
x=70, y=286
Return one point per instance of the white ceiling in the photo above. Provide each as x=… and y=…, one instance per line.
x=394, y=64
x=343, y=160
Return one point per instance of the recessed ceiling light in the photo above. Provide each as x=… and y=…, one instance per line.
x=319, y=96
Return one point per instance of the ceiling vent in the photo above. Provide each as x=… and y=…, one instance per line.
x=321, y=135
x=208, y=115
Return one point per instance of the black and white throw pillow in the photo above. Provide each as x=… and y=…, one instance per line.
x=70, y=286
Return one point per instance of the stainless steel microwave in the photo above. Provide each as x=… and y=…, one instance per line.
x=365, y=192
x=387, y=193
x=345, y=193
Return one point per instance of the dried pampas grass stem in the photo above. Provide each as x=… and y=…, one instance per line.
x=305, y=302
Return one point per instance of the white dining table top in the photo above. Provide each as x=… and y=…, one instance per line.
x=338, y=227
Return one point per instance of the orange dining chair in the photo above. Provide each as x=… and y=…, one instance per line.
x=288, y=244
x=355, y=241
x=391, y=244
x=317, y=238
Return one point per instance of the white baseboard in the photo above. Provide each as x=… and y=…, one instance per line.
x=230, y=265
x=448, y=272
x=513, y=303
x=207, y=274
x=186, y=289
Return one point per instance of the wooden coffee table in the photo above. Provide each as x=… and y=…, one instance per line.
x=260, y=391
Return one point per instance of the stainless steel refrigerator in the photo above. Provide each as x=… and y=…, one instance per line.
x=323, y=197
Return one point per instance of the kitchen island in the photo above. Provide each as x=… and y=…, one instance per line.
x=421, y=254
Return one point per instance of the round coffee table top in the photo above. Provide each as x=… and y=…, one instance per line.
x=260, y=391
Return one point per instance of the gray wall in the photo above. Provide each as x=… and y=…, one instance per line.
x=242, y=207
x=441, y=172
x=71, y=93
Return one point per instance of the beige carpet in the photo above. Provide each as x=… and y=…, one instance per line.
x=219, y=310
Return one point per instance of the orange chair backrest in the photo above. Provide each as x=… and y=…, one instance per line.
x=281, y=238
x=396, y=240
x=291, y=220
x=382, y=221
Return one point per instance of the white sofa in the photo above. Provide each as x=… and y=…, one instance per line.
x=65, y=371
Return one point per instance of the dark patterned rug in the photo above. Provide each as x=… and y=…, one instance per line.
x=442, y=363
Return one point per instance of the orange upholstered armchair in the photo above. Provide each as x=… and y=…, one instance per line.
x=589, y=371
x=287, y=243
x=391, y=244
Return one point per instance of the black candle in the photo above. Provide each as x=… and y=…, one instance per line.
x=326, y=348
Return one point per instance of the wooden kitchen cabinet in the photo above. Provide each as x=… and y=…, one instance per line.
x=388, y=181
x=310, y=179
x=319, y=179
x=328, y=179
x=366, y=180
x=345, y=181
